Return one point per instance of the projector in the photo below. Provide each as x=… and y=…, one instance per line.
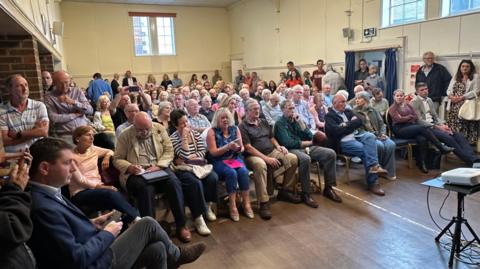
x=462, y=176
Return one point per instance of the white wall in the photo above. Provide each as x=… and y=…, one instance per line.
x=306, y=30
x=99, y=38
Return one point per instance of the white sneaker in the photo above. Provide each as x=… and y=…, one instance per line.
x=201, y=227
x=209, y=214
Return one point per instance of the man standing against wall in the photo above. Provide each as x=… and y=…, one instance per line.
x=318, y=74
x=436, y=76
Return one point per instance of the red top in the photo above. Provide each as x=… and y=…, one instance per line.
x=404, y=114
x=292, y=82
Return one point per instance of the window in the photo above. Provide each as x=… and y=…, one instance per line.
x=153, y=35
x=453, y=7
x=395, y=12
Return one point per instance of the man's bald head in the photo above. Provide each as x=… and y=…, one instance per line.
x=61, y=81
x=143, y=125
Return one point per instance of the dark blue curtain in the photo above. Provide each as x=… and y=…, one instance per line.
x=350, y=71
x=390, y=73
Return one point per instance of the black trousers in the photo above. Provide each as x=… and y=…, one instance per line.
x=145, y=195
x=457, y=141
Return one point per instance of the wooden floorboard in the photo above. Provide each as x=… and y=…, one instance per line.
x=394, y=231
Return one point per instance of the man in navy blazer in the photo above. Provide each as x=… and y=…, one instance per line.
x=63, y=237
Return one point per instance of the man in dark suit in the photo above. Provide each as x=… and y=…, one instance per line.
x=129, y=80
x=427, y=116
x=63, y=237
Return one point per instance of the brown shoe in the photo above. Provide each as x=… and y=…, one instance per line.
x=376, y=189
x=330, y=194
x=190, y=253
x=308, y=200
x=377, y=169
x=184, y=235
x=264, y=211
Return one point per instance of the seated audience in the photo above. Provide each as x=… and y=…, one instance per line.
x=307, y=80
x=16, y=225
x=206, y=108
x=225, y=147
x=47, y=81
x=129, y=80
x=427, y=116
x=176, y=81
x=86, y=186
x=379, y=103
x=405, y=124
x=272, y=110
x=166, y=81
x=263, y=153
x=302, y=109
x=121, y=100
x=373, y=123
x=162, y=96
x=98, y=88
x=373, y=80
x=197, y=121
x=307, y=95
x=164, y=110
x=357, y=89
x=326, y=90
x=239, y=79
x=272, y=86
x=231, y=104
x=341, y=126
x=189, y=154
x=266, y=95
x=294, y=79
x=319, y=111
x=179, y=101
x=22, y=120
x=103, y=123
x=67, y=107
x=63, y=237
x=130, y=111
x=291, y=132
x=195, y=95
x=146, y=147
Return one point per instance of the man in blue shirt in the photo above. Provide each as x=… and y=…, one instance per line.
x=98, y=87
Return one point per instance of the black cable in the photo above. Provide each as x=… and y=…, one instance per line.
x=430, y=213
x=441, y=207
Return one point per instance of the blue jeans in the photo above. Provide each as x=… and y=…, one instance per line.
x=386, y=155
x=364, y=147
x=233, y=177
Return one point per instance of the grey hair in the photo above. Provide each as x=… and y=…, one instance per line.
x=206, y=97
x=285, y=102
x=250, y=102
x=265, y=91
x=162, y=105
x=218, y=115
x=297, y=87
x=399, y=91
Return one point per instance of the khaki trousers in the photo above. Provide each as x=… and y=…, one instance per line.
x=259, y=168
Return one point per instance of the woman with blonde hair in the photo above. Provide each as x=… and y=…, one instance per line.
x=151, y=79
x=103, y=124
x=225, y=146
x=232, y=105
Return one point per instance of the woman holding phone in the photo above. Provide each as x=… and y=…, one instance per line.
x=225, y=147
x=189, y=152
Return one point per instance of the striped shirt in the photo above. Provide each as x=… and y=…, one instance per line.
x=197, y=147
x=14, y=120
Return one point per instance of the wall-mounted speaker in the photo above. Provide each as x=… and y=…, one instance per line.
x=57, y=28
x=347, y=32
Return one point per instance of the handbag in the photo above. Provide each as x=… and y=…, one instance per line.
x=470, y=110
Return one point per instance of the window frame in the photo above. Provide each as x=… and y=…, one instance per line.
x=447, y=13
x=389, y=13
x=154, y=34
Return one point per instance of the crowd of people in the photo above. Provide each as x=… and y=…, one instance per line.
x=114, y=147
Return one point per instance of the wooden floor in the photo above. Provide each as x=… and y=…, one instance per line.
x=365, y=231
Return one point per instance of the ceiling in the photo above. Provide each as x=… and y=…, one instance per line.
x=10, y=26
x=194, y=3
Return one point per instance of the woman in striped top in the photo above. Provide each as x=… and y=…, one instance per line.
x=190, y=149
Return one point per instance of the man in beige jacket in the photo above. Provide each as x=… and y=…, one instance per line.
x=145, y=147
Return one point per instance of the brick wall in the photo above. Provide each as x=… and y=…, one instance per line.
x=19, y=54
x=46, y=61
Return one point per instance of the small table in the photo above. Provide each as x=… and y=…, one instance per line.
x=458, y=220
